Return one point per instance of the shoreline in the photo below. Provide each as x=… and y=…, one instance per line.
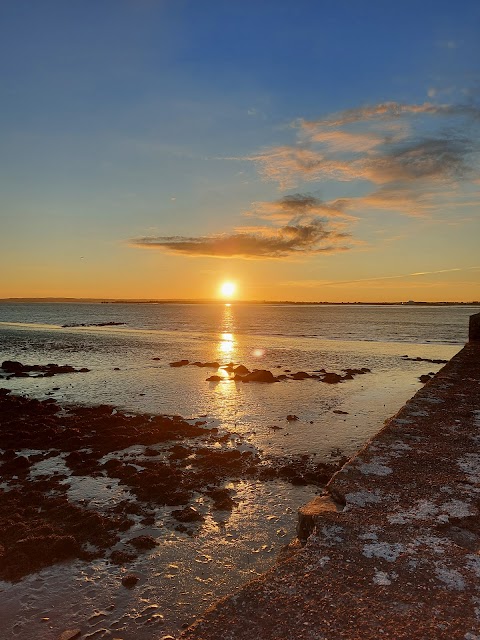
x=392, y=545
x=94, y=487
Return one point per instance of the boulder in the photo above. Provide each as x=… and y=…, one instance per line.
x=188, y=514
x=143, y=542
x=129, y=581
x=12, y=366
x=300, y=375
x=241, y=370
x=260, y=375
x=332, y=378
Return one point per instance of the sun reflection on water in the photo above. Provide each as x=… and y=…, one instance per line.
x=226, y=344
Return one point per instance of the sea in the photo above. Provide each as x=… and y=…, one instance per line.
x=128, y=348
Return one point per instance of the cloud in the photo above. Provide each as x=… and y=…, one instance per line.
x=297, y=206
x=410, y=158
x=408, y=153
x=290, y=165
x=391, y=111
x=361, y=281
x=289, y=240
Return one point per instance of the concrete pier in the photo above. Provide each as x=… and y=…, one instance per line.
x=393, y=547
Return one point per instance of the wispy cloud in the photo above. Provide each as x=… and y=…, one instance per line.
x=298, y=207
x=403, y=276
x=408, y=153
x=410, y=159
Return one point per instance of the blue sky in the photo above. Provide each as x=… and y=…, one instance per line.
x=155, y=148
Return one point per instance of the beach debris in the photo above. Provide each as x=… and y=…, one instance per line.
x=292, y=418
x=340, y=412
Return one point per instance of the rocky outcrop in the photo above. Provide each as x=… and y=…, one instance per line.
x=19, y=370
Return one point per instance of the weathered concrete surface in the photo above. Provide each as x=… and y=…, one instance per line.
x=400, y=559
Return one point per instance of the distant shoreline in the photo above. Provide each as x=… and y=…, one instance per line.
x=410, y=303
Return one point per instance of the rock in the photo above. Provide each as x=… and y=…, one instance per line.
x=214, y=379
x=332, y=378
x=260, y=375
x=70, y=634
x=212, y=365
x=130, y=580
x=222, y=500
x=12, y=366
x=179, y=363
x=143, y=542
x=121, y=557
x=425, y=378
x=292, y=418
x=311, y=512
x=188, y=514
x=241, y=370
x=300, y=375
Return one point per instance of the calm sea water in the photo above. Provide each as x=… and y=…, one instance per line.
x=275, y=337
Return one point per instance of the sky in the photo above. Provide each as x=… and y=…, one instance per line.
x=305, y=150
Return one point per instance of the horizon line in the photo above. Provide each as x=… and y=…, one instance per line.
x=60, y=299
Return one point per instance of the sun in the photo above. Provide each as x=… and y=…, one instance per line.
x=227, y=289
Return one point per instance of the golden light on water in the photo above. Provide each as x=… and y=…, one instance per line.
x=227, y=344
x=227, y=289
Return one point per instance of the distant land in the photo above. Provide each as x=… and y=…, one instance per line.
x=237, y=302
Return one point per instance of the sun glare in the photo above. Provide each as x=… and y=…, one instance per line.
x=228, y=289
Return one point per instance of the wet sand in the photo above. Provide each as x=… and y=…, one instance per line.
x=91, y=491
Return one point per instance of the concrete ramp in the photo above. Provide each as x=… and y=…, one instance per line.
x=393, y=547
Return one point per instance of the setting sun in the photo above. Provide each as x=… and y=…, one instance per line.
x=227, y=289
